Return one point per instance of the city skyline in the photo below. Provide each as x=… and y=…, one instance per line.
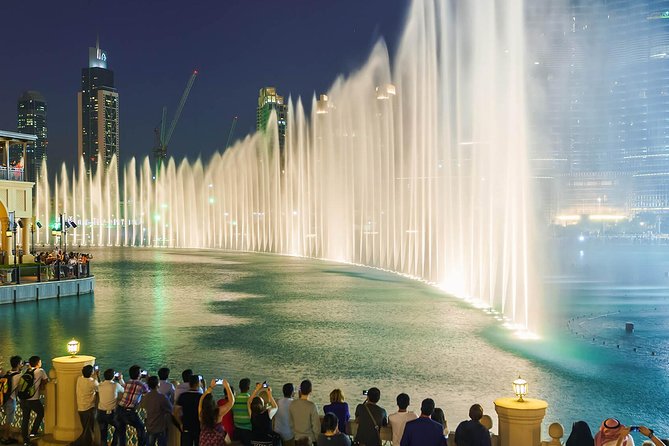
x=155, y=48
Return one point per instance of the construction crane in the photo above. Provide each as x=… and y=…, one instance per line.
x=163, y=137
x=232, y=131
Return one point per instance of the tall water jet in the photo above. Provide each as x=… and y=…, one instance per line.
x=419, y=167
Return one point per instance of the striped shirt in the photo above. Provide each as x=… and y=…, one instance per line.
x=132, y=394
x=240, y=412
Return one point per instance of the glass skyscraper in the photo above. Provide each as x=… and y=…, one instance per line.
x=31, y=112
x=98, y=113
x=268, y=101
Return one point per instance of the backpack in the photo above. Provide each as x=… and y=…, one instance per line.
x=6, y=390
x=26, y=387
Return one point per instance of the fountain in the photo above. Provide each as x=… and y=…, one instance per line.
x=418, y=166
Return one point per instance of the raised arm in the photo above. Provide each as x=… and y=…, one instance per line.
x=651, y=435
x=271, y=401
x=227, y=407
x=255, y=393
x=206, y=392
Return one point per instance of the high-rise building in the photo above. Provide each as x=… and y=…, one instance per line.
x=31, y=110
x=98, y=113
x=268, y=101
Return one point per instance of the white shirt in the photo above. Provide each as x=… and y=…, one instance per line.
x=40, y=376
x=167, y=389
x=397, y=422
x=86, y=390
x=109, y=393
x=282, y=419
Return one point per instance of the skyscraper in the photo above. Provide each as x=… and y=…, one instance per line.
x=268, y=101
x=98, y=113
x=31, y=110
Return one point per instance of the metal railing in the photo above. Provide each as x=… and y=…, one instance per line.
x=43, y=272
x=11, y=174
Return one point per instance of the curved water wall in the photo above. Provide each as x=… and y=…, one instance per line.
x=419, y=167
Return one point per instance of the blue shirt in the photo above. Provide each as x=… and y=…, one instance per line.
x=342, y=412
x=423, y=432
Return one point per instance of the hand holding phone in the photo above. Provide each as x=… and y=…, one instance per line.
x=634, y=428
x=264, y=384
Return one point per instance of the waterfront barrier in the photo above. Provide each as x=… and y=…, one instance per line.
x=36, y=291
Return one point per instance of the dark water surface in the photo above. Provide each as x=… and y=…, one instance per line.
x=282, y=319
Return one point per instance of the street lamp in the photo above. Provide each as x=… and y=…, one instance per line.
x=520, y=388
x=73, y=347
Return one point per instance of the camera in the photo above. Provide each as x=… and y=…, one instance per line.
x=264, y=384
x=143, y=373
x=219, y=382
x=96, y=368
x=634, y=428
x=364, y=392
x=117, y=375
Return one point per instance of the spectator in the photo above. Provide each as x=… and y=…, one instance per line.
x=9, y=405
x=338, y=407
x=370, y=418
x=304, y=419
x=127, y=407
x=331, y=435
x=164, y=386
x=261, y=424
x=424, y=431
x=439, y=416
x=186, y=412
x=472, y=432
x=624, y=434
x=612, y=432
x=109, y=391
x=228, y=421
x=86, y=391
x=211, y=415
x=158, y=408
x=240, y=413
x=401, y=417
x=185, y=384
x=580, y=435
x=31, y=403
x=282, y=416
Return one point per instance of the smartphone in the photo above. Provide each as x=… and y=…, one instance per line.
x=264, y=384
x=219, y=382
x=364, y=392
x=634, y=428
x=117, y=374
x=143, y=373
x=96, y=368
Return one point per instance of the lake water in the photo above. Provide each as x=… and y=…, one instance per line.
x=283, y=319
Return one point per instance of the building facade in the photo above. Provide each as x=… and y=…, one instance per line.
x=31, y=113
x=98, y=114
x=268, y=101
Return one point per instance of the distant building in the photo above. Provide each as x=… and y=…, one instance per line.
x=268, y=101
x=31, y=111
x=98, y=113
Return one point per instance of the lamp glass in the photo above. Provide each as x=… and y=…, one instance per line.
x=520, y=388
x=73, y=347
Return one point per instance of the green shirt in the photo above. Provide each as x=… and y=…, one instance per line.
x=240, y=412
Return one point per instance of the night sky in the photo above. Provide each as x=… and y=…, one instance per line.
x=238, y=46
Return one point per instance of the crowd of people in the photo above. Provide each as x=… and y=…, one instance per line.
x=63, y=265
x=251, y=415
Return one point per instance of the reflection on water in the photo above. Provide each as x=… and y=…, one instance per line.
x=283, y=319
